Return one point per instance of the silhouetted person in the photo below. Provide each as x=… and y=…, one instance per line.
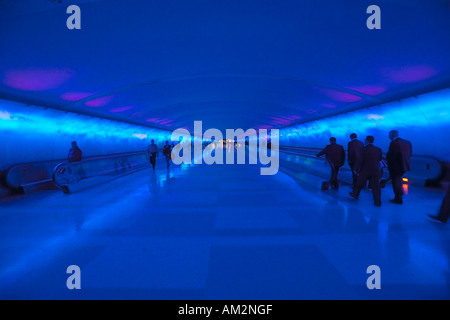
x=75, y=153
x=152, y=152
x=444, y=212
x=400, y=151
x=335, y=155
x=370, y=170
x=167, y=152
x=355, y=150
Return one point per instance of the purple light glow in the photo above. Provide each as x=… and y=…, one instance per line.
x=75, y=96
x=409, y=74
x=340, y=96
x=294, y=117
x=263, y=127
x=121, y=109
x=37, y=79
x=276, y=120
x=164, y=122
x=369, y=90
x=99, y=102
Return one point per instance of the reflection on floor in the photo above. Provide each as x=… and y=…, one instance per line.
x=221, y=232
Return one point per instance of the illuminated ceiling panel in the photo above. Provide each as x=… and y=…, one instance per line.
x=231, y=64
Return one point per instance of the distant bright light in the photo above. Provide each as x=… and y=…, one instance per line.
x=375, y=117
x=5, y=115
x=140, y=135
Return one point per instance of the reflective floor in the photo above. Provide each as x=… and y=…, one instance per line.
x=222, y=232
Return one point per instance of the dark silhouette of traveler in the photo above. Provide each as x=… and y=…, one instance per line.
x=335, y=155
x=355, y=150
x=75, y=153
x=444, y=212
x=167, y=152
x=398, y=155
x=152, y=153
x=370, y=170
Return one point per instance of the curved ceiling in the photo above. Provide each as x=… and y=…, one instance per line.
x=232, y=64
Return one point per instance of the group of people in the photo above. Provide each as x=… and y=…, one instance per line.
x=75, y=153
x=153, y=152
x=364, y=161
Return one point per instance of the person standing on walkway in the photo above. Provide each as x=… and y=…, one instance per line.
x=335, y=155
x=152, y=153
x=75, y=153
x=355, y=149
x=167, y=152
x=398, y=156
x=370, y=170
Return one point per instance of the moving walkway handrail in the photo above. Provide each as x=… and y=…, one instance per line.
x=69, y=173
x=429, y=181
x=31, y=173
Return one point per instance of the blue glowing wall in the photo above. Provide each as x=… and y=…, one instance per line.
x=424, y=120
x=30, y=134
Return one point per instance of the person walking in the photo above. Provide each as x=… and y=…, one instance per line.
x=370, y=170
x=152, y=153
x=167, y=152
x=335, y=155
x=398, y=156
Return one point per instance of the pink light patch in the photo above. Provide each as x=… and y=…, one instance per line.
x=99, y=102
x=409, y=74
x=282, y=121
x=37, y=79
x=121, y=109
x=294, y=117
x=369, y=90
x=164, y=122
x=264, y=127
x=340, y=96
x=329, y=105
x=75, y=96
